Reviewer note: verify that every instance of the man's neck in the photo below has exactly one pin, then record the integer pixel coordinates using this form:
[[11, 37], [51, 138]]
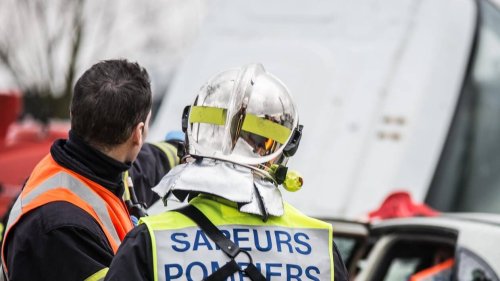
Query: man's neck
[[119, 153]]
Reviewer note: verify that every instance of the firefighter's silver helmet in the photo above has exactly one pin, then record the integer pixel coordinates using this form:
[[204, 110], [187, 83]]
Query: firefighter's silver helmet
[[245, 116]]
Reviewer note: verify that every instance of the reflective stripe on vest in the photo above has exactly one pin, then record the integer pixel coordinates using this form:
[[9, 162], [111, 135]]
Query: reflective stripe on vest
[[65, 181], [170, 151], [98, 276], [292, 247]]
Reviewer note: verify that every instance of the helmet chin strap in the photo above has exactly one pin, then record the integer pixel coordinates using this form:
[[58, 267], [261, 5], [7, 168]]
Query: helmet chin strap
[[262, 173], [278, 174]]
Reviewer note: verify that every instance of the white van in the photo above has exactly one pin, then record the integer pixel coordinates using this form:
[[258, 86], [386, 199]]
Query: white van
[[393, 95]]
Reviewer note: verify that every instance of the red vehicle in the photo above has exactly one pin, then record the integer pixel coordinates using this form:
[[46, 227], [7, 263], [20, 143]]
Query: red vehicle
[[22, 145]]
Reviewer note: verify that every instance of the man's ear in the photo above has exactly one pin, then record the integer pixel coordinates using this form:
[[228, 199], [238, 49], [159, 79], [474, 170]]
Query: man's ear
[[137, 134]]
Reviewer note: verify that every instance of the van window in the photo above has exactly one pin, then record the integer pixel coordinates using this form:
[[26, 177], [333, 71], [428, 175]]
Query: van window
[[468, 174]]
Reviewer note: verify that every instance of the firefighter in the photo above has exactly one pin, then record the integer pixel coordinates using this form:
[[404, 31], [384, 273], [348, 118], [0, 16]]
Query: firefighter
[[240, 131], [76, 207]]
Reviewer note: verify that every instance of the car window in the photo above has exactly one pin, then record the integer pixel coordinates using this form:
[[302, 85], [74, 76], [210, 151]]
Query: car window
[[472, 268], [401, 268], [407, 257], [346, 246], [351, 240]]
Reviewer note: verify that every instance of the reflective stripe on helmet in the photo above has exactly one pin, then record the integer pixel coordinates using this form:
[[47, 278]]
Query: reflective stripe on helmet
[[266, 128], [252, 123], [66, 181], [209, 115]]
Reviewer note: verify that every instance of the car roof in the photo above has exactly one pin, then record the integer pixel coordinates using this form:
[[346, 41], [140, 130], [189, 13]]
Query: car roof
[[458, 221]]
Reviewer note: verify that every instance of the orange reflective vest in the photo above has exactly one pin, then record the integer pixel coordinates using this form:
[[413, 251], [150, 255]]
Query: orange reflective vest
[[50, 182]]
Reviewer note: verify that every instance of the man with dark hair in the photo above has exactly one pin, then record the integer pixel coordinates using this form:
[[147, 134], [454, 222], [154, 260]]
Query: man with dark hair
[[79, 202], [109, 100]]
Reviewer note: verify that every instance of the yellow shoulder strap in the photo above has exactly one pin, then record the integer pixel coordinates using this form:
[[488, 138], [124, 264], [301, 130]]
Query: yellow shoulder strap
[[98, 276], [170, 151]]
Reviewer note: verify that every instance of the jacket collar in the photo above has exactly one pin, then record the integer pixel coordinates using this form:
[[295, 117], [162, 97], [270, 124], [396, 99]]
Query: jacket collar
[[77, 155]]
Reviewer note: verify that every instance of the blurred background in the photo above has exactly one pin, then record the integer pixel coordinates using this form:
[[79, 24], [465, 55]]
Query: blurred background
[[395, 95], [400, 102], [46, 45]]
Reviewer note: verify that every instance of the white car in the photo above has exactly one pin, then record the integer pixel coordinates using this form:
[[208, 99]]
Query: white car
[[396, 249]]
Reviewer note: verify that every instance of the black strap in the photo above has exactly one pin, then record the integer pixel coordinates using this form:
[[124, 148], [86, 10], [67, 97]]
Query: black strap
[[225, 244], [224, 272], [254, 273]]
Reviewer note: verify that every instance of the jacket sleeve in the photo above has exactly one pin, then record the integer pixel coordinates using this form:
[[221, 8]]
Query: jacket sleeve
[[57, 241], [134, 260], [340, 271], [152, 163]]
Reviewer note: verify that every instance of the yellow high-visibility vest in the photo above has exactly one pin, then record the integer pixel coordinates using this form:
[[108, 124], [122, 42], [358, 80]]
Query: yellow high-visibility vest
[[290, 247]]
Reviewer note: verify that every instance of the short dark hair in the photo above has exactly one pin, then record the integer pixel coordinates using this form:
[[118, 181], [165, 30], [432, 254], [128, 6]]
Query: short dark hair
[[109, 100]]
